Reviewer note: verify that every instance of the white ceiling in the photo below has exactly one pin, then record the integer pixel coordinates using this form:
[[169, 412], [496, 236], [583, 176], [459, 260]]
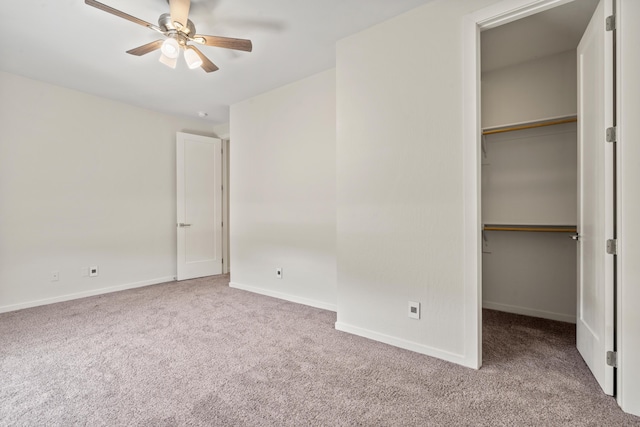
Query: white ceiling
[[70, 44], [553, 31]]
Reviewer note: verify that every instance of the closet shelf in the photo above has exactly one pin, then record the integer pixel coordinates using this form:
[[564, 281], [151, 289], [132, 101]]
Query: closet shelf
[[530, 125], [531, 228]]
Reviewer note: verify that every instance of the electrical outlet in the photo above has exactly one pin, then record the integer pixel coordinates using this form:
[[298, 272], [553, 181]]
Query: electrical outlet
[[279, 273], [93, 271], [414, 310], [55, 276]]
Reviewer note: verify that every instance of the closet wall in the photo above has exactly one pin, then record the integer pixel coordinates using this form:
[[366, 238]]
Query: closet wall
[[529, 178], [543, 87]]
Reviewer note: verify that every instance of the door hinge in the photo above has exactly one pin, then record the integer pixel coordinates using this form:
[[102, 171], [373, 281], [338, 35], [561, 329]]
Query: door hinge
[[612, 246], [612, 358], [611, 22], [612, 134]]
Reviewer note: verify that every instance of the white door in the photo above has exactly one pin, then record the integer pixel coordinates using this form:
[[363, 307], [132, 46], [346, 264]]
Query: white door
[[199, 194], [595, 311]]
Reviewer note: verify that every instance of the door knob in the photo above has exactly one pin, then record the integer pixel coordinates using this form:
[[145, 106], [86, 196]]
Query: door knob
[[182, 224], [575, 236]]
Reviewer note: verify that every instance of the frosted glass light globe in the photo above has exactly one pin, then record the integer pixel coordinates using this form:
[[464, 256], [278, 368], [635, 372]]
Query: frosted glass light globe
[[170, 48]]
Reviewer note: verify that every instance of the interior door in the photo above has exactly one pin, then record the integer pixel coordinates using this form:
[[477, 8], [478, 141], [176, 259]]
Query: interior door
[[199, 197], [595, 311]]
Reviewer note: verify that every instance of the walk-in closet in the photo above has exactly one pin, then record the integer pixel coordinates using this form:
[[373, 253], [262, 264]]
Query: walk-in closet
[[529, 191]]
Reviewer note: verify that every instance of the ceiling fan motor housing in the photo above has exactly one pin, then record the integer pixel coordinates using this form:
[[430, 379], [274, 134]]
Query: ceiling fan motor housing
[[182, 34]]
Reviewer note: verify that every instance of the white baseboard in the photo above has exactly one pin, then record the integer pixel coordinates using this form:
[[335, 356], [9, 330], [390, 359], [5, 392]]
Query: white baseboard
[[284, 296], [84, 294], [407, 345], [529, 312]]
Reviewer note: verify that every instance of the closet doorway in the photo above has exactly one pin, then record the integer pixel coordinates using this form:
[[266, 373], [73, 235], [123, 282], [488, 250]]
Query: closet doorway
[[547, 190]]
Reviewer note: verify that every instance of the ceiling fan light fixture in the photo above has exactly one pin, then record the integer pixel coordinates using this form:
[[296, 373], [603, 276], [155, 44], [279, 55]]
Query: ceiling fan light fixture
[[192, 59], [169, 62], [170, 48]]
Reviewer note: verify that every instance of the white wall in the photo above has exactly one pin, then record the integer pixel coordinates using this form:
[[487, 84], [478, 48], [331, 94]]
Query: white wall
[[222, 131], [539, 89], [283, 195], [83, 181], [530, 177], [400, 188], [629, 226]]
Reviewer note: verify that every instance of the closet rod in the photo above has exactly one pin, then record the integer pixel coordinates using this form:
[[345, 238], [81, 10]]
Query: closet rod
[[534, 228], [530, 126]]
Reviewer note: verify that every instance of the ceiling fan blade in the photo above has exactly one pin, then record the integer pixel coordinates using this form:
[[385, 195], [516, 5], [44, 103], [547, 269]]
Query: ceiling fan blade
[[180, 11], [207, 65], [225, 42], [121, 14], [146, 48]]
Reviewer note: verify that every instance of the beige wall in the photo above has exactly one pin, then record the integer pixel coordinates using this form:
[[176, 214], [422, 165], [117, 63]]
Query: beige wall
[[222, 131], [400, 188], [84, 181], [283, 189], [539, 89]]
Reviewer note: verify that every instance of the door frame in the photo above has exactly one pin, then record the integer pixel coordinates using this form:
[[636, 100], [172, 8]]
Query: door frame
[[628, 175], [226, 257], [492, 16]]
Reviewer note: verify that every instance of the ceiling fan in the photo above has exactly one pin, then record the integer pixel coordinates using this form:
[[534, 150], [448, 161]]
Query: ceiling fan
[[179, 31]]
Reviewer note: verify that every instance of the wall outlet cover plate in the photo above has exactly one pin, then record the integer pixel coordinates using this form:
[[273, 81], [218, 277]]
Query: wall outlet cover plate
[[414, 310], [93, 271]]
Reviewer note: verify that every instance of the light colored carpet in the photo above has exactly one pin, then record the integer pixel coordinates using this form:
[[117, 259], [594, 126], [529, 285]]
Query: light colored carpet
[[201, 353]]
